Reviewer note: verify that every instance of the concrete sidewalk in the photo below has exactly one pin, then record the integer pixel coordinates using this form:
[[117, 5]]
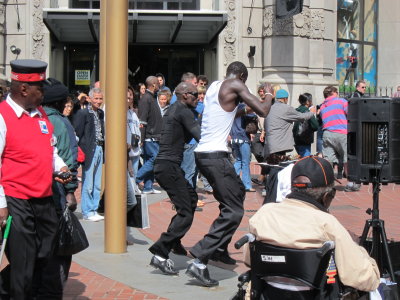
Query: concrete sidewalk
[[96, 275]]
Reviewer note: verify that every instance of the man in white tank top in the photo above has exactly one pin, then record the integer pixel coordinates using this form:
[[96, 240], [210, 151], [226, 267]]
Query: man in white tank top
[[220, 109]]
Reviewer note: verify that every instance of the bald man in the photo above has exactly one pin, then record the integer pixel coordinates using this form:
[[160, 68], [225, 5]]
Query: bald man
[[150, 126], [179, 127]]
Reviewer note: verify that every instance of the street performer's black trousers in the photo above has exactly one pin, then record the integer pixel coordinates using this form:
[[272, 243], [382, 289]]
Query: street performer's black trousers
[[171, 178], [230, 193], [30, 243]]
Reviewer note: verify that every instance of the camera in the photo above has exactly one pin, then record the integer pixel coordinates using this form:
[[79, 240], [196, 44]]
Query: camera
[[63, 175]]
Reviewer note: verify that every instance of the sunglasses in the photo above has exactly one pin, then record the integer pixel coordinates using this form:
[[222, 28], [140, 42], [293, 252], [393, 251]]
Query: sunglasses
[[363, 87], [195, 94]]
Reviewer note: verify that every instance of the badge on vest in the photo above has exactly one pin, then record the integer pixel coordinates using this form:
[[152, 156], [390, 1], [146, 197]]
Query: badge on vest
[[43, 127]]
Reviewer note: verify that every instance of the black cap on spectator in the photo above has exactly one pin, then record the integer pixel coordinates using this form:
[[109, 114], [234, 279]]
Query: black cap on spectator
[[318, 170], [54, 91]]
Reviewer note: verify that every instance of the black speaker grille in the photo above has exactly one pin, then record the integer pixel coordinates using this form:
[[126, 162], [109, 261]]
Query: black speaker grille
[[375, 144], [369, 140]]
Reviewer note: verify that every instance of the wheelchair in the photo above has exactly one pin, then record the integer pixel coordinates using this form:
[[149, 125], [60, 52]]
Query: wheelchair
[[279, 273]]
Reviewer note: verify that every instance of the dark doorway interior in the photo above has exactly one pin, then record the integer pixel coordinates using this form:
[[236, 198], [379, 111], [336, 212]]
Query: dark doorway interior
[[171, 61]]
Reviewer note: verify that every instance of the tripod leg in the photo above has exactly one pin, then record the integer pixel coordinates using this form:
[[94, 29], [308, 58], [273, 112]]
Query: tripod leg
[[386, 248], [364, 235]]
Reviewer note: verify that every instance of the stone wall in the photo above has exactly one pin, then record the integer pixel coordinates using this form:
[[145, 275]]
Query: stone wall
[[22, 25], [388, 44]]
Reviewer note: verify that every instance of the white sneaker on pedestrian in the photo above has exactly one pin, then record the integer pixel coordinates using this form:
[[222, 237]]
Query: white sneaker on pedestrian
[[94, 218], [99, 216], [155, 191]]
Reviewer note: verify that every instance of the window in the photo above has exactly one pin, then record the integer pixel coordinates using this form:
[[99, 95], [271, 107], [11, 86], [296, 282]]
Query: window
[[357, 42], [144, 4]]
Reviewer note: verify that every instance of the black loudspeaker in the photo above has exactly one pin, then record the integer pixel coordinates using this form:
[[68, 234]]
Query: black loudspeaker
[[373, 140]]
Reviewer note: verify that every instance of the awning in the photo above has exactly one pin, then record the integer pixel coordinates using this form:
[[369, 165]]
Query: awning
[[159, 27]]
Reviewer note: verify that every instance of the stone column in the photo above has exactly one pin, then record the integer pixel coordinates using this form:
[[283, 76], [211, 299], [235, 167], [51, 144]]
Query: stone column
[[299, 52]]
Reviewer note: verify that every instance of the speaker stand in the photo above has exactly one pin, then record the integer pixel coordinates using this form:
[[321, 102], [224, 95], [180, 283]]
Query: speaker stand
[[379, 239]]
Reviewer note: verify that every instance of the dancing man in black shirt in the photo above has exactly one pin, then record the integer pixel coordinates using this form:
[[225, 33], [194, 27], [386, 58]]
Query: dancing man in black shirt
[[178, 128]]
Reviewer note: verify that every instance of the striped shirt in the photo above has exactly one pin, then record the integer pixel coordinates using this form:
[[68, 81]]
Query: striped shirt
[[334, 114]]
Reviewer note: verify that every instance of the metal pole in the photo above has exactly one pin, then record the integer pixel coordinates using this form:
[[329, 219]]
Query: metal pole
[[116, 151], [102, 46]]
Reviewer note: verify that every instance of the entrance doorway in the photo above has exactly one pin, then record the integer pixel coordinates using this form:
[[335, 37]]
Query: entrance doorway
[[143, 61], [172, 62]]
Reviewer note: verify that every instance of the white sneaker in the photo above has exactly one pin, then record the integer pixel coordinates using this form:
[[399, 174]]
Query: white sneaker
[[155, 191], [99, 216], [94, 218]]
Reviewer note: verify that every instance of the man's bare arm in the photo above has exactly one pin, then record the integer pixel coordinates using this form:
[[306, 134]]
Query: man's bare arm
[[260, 108], [233, 90]]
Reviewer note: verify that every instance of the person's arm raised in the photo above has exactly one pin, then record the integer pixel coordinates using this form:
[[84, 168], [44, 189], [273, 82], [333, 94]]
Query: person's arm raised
[[260, 108]]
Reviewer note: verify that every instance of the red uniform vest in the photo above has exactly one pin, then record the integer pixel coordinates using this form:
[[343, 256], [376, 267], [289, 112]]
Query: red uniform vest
[[27, 160]]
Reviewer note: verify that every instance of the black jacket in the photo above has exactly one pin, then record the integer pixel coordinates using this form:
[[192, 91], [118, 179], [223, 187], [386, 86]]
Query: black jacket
[[83, 122], [150, 116]]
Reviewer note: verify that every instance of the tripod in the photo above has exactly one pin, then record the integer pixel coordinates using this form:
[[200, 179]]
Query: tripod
[[379, 239]]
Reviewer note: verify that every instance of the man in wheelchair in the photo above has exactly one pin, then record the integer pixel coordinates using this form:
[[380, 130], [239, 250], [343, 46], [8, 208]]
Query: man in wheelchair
[[302, 221]]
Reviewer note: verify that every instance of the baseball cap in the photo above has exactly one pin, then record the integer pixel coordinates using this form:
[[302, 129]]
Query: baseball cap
[[317, 169], [281, 94]]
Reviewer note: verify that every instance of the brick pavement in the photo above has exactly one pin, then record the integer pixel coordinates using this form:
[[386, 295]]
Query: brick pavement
[[84, 284], [349, 208]]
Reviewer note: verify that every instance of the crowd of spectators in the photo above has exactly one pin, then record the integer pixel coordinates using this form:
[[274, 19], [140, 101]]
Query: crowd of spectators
[[166, 150]]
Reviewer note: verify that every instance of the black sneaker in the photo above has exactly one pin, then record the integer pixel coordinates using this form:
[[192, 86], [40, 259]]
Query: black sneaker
[[166, 266], [202, 275], [223, 256]]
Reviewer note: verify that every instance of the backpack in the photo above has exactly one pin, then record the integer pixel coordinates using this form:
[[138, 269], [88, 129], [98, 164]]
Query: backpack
[[303, 134]]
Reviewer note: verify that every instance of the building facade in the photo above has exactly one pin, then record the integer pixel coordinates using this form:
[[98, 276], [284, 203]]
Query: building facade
[[329, 42]]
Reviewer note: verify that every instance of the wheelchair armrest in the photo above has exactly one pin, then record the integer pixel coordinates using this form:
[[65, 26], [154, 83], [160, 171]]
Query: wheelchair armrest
[[328, 245], [244, 277]]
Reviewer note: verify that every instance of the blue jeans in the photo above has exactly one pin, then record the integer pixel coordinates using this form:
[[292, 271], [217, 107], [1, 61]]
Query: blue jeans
[[242, 155], [188, 164], [303, 150], [146, 172], [91, 184], [320, 132]]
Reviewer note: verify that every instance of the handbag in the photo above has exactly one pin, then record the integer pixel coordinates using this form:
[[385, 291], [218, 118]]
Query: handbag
[[139, 216], [71, 235]]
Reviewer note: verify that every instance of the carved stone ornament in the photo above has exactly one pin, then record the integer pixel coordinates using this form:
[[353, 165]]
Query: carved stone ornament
[[2, 18], [38, 26], [310, 24], [230, 33]]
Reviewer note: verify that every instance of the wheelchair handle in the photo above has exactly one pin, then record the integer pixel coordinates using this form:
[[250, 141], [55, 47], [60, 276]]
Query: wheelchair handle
[[248, 238], [328, 245]]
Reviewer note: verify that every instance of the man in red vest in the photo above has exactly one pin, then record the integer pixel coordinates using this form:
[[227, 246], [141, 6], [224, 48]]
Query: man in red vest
[[28, 162]]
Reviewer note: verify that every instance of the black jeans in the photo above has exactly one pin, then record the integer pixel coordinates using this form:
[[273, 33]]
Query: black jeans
[[30, 243], [230, 193], [171, 178]]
